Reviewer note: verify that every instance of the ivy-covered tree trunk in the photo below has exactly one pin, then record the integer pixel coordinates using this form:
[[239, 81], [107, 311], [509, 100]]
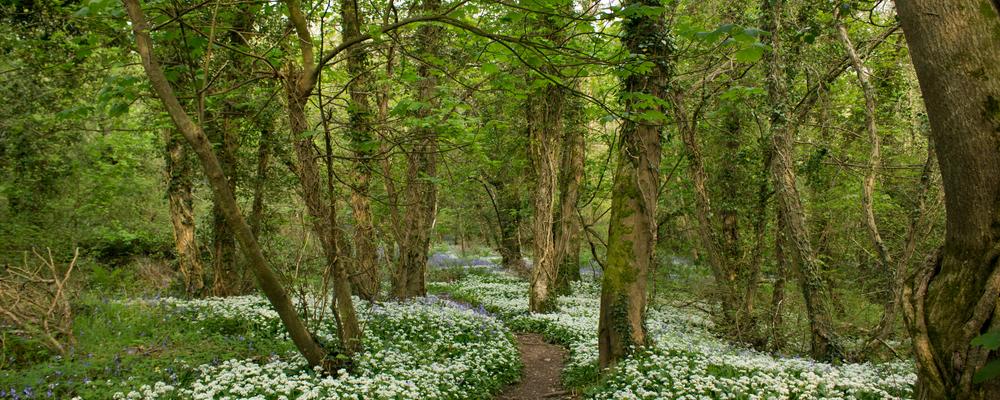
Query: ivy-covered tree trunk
[[226, 279], [632, 228], [179, 196], [311, 350], [418, 219], [817, 296], [544, 134], [953, 298], [365, 276]]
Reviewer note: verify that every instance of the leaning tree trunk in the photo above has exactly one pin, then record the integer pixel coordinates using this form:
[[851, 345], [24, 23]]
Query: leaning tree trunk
[[179, 194], [632, 230], [366, 273], [956, 53], [311, 350], [409, 279], [817, 296]]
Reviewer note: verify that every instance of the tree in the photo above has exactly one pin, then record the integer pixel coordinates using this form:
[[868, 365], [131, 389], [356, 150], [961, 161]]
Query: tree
[[418, 218], [272, 288], [817, 295], [632, 228], [179, 195], [953, 297], [360, 126]]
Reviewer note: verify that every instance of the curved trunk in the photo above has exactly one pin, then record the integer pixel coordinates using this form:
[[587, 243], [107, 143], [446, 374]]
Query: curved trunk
[[953, 298], [323, 216]]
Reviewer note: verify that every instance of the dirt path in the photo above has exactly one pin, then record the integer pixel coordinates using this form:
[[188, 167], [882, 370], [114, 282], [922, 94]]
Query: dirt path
[[543, 363]]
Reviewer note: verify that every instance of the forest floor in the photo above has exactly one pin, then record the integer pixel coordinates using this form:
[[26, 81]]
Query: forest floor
[[543, 363]]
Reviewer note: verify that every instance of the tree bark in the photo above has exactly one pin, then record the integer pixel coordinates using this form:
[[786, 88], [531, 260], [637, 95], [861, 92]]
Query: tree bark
[[299, 85], [509, 220], [226, 280], [567, 230], [260, 181], [824, 344], [419, 215], [366, 272], [179, 195], [632, 230], [322, 212], [544, 131], [953, 298], [269, 283]]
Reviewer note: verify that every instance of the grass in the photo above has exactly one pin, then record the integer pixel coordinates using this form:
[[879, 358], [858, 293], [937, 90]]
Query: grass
[[117, 340]]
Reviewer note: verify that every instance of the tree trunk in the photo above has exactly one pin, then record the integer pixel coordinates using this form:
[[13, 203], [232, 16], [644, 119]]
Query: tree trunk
[[260, 181], [544, 131], [953, 299], [817, 296], [509, 220], [632, 228], [226, 281], [366, 273], [409, 279], [179, 194], [268, 281], [783, 264], [884, 259], [567, 229], [322, 212]]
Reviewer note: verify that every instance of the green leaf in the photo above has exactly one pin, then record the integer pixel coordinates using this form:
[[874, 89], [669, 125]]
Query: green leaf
[[989, 371], [989, 340], [490, 68], [750, 54]]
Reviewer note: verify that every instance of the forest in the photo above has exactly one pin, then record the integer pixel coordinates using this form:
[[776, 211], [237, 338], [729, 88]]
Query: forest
[[500, 199]]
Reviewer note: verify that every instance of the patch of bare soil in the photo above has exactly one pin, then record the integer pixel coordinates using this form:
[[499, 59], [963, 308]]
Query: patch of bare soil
[[543, 363]]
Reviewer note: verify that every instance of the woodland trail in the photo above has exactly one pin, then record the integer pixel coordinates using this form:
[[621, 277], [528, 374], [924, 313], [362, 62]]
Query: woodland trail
[[543, 363]]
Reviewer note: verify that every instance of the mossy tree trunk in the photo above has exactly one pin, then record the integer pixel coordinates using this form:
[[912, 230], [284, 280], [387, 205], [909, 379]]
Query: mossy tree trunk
[[226, 281], [360, 127], [955, 48], [632, 228]]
